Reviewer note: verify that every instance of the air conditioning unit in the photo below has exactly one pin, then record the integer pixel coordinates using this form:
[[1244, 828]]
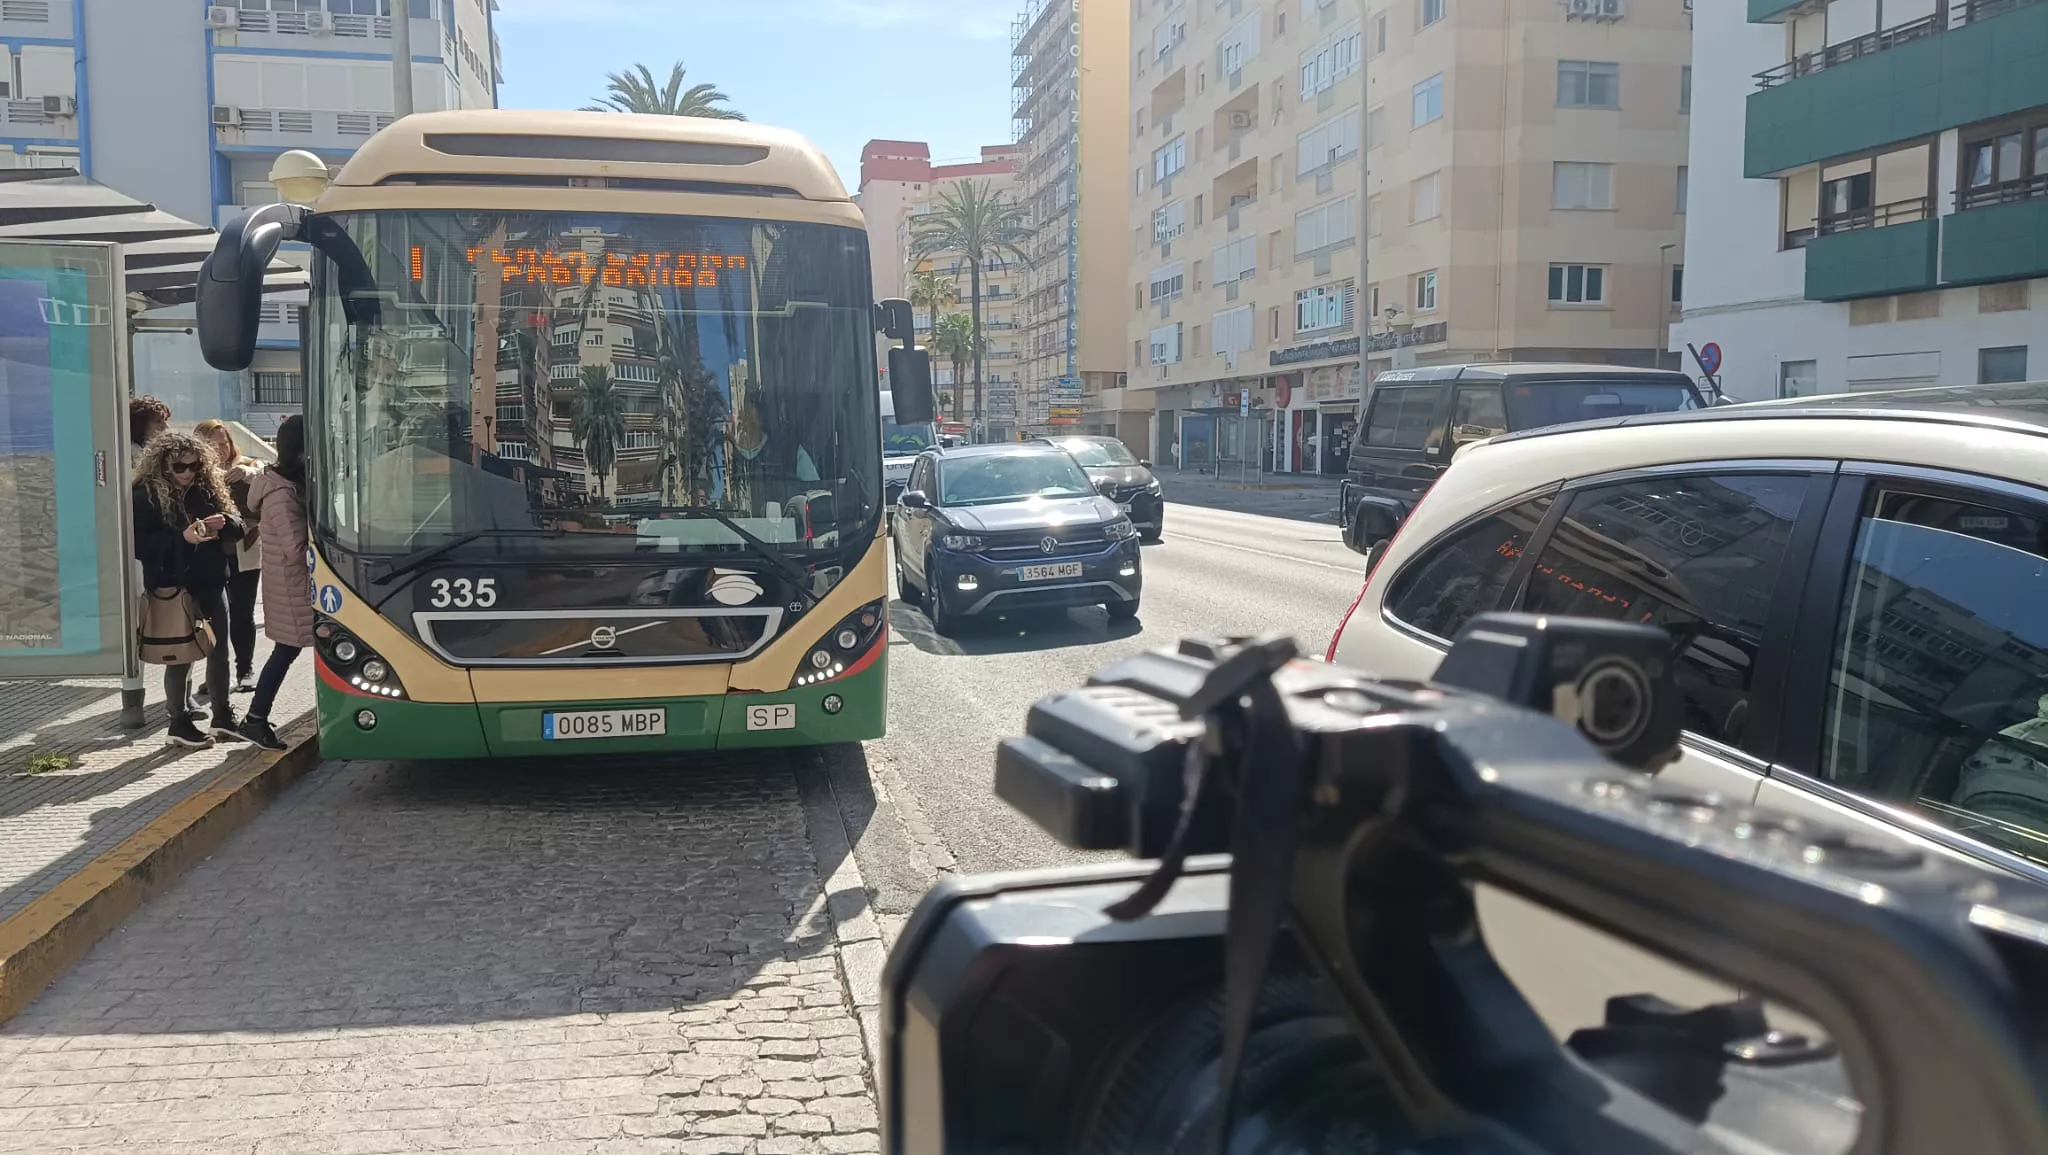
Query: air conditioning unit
[[319, 23], [1611, 9], [1581, 9], [60, 106], [227, 116], [222, 16], [1242, 119]]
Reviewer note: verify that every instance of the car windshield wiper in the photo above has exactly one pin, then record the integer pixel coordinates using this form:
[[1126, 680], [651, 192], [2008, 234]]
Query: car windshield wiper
[[760, 548], [398, 567]]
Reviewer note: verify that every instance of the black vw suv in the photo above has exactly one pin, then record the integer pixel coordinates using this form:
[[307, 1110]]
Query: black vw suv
[[988, 528]]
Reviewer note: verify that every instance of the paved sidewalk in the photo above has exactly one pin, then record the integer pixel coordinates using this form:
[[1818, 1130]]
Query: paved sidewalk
[[54, 822], [1301, 496]]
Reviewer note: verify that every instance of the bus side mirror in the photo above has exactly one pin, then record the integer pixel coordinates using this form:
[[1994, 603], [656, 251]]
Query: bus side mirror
[[893, 318], [910, 386], [230, 296]]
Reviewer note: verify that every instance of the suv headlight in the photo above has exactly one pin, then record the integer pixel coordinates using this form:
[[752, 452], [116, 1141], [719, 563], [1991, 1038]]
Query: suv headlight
[[1122, 530], [1153, 488], [960, 542]]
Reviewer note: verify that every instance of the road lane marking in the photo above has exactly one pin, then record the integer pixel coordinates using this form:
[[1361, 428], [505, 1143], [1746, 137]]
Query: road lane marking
[[1358, 570]]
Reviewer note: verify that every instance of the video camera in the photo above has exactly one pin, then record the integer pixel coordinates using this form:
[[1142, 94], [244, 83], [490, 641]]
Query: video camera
[[1302, 967]]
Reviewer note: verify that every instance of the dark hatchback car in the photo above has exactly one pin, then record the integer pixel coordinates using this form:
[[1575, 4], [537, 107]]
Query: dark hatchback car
[[1414, 420], [1119, 475], [990, 528]]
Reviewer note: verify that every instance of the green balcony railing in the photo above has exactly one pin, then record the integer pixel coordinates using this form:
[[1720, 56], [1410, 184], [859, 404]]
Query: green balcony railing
[[1998, 242], [1874, 253], [1983, 59]]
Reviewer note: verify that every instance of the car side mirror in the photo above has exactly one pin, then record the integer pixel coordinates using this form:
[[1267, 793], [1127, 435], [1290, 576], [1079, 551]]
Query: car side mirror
[[913, 499], [1143, 464], [1105, 487], [1373, 556]]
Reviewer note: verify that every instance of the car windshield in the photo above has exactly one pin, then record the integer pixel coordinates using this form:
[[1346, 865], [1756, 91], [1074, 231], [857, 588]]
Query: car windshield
[[1010, 477], [1538, 404], [575, 384], [899, 440], [1098, 454]]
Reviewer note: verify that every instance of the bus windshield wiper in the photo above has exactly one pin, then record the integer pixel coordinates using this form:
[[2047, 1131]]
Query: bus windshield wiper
[[398, 567], [755, 545]]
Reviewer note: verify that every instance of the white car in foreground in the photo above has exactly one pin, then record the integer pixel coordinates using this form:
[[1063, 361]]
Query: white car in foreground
[[1860, 587]]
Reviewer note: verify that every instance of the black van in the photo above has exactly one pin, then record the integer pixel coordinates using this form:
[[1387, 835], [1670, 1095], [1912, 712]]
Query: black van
[[1415, 419]]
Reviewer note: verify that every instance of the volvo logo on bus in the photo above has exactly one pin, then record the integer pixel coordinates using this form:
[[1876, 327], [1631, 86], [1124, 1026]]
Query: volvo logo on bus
[[604, 638], [1048, 544]]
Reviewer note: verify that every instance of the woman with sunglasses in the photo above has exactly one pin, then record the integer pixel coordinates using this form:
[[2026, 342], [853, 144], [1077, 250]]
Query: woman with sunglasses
[[184, 515]]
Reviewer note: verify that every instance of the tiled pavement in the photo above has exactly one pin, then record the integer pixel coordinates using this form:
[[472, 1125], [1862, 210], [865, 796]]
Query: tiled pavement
[[55, 822], [575, 955]]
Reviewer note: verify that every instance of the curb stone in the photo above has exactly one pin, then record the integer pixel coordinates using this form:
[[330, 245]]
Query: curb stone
[[44, 939]]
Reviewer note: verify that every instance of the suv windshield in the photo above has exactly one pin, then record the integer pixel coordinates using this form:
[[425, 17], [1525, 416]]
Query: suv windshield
[[1010, 477], [1538, 404], [899, 440], [1098, 454]]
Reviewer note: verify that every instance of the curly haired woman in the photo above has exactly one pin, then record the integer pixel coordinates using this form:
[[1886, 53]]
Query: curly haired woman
[[183, 516]]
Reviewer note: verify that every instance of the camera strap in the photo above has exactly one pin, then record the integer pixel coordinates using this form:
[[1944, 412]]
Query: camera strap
[[1245, 715]]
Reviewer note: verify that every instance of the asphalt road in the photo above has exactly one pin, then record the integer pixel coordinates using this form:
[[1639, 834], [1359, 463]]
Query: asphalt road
[[952, 699]]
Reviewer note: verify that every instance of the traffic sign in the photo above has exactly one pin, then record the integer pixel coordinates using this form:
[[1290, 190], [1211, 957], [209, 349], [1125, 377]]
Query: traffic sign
[[1710, 358], [1244, 403]]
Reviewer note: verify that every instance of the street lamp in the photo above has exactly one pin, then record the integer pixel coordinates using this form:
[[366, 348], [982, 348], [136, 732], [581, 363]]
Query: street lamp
[[1664, 301], [300, 176]]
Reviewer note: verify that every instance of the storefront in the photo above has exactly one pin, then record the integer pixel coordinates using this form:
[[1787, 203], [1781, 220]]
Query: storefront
[[1315, 414]]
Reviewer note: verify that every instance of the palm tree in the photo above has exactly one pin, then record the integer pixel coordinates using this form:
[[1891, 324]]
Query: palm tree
[[637, 91], [953, 338], [599, 425], [932, 291], [977, 223]]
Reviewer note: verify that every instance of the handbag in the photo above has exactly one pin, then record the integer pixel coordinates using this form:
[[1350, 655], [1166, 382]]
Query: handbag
[[169, 630]]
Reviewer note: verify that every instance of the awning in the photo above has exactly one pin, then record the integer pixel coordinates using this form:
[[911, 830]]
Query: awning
[[163, 251]]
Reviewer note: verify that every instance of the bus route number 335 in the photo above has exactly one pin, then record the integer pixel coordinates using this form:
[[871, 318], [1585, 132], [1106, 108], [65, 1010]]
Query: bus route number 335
[[462, 593]]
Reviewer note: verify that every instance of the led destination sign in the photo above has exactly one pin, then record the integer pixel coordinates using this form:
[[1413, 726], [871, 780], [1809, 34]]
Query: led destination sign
[[661, 270]]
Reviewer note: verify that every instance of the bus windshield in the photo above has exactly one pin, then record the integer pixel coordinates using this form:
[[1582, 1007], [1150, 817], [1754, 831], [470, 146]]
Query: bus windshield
[[625, 384]]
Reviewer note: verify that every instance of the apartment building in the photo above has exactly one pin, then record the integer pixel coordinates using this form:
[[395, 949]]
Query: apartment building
[[1875, 205], [1524, 185], [1071, 100], [900, 185], [186, 104]]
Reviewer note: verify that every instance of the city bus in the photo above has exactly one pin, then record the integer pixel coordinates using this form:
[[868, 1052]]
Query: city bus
[[594, 442]]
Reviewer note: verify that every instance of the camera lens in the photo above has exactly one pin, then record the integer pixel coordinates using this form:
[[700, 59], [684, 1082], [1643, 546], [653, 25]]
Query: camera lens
[[1614, 704]]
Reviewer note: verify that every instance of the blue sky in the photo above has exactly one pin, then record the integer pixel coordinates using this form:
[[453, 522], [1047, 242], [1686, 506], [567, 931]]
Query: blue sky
[[839, 71]]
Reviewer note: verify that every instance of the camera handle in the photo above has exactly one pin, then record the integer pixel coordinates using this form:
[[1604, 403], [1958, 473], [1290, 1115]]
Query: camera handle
[[1371, 860]]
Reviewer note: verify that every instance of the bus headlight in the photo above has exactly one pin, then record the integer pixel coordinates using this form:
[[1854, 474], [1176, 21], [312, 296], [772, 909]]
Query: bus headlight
[[847, 646], [353, 666]]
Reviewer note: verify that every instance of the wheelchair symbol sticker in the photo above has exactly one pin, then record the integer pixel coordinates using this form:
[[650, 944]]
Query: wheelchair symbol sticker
[[310, 559], [330, 599]]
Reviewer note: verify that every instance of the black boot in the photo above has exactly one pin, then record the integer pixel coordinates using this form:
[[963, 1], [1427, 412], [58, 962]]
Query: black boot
[[184, 734]]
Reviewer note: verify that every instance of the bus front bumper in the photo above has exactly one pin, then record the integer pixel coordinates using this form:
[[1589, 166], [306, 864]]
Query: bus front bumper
[[356, 727]]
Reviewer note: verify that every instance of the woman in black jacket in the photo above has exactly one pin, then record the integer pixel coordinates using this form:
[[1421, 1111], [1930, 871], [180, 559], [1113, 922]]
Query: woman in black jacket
[[183, 517]]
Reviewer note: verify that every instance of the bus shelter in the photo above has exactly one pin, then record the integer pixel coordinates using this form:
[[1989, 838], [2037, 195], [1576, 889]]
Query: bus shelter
[[79, 263]]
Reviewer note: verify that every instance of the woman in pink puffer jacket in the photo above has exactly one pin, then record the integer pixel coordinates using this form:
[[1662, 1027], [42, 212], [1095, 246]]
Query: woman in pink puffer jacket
[[277, 501]]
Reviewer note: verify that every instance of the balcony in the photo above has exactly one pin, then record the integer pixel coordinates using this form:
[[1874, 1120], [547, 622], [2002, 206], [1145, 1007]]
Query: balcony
[[1874, 252], [36, 19], [34, 118], [284, 128], [1998, 233], [1985, 59], [1774, 11], [338, 32]]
